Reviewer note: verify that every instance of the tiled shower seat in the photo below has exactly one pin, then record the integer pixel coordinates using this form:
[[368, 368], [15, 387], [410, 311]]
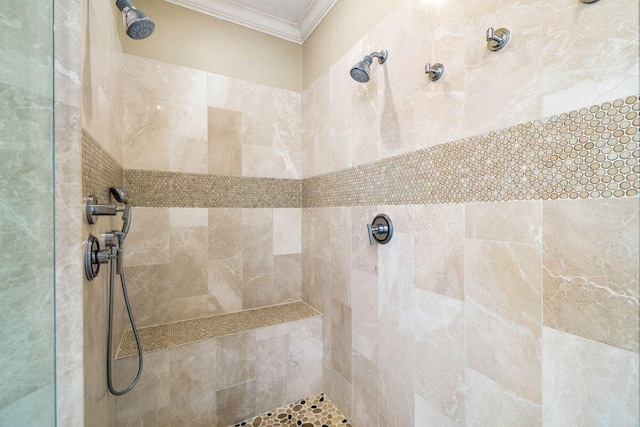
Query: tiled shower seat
[[222, 369]]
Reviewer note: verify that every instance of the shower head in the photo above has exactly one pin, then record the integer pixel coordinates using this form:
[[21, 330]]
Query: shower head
[[361, 72], [136, 24], [119, 194]]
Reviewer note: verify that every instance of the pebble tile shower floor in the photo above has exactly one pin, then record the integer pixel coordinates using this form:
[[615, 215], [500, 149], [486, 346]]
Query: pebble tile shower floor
[[316, 411]]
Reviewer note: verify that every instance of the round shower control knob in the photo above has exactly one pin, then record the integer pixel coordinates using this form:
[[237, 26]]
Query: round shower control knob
[[380, 230]]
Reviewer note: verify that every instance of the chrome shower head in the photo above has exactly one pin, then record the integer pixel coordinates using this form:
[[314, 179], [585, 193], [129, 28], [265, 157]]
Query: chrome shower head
[[361, 72], [136, 24]]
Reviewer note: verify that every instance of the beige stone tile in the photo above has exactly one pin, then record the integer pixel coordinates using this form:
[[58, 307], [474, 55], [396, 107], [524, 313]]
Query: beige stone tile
[[504, 351], [588, 383], [188, 155], [396, 374], [148, 239], [188, 217], [440, 354], [257, 257], [365, 128], [306, 359], [395, 283], [270, 162], [364, 257], [225, 282], [225, 233], [342, 393], [508, 222], [189, 263], [490, 404], [364, 314], [438, 117], [321, 222], [194, 307], [340, 242], [225, 142], [287, 277], [506, 279], [236, 403], [365, 391], [568, 56], [591, 269], [272, 372], [439, 249], [193, 385], [507, 85], [287, 231], [397, 130], [224, 92], [149, 401], [426, 415], [341, 338], [236, 359], [148, 289]]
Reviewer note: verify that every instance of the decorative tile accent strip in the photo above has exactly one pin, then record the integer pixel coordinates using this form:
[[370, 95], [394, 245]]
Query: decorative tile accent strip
[[100, 171], [191, 190], [191, 331], [589, 153], [316, 411]]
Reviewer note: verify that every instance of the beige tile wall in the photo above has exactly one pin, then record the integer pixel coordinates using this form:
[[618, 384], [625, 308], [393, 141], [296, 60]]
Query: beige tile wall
[[477, 313], [450, 330]]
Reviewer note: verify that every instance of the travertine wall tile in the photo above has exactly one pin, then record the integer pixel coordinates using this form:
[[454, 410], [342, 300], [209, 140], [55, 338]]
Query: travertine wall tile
[[439, 253], [257, 257], [364, 312], [341, 319], [568, 56], [225, 142], [588, 383], [504, 351], [505, 279], [188, 262], [148, 240], [287, 225], [287, 278], [507, 222], [440, 355], [489, 403], [591, 279], [236, 403]]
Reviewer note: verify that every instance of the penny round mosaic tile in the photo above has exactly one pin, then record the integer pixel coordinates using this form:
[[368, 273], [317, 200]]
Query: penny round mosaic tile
[[316, 411]]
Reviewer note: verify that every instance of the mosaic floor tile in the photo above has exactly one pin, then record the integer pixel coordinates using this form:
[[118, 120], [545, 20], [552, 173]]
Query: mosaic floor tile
[[316, 411]]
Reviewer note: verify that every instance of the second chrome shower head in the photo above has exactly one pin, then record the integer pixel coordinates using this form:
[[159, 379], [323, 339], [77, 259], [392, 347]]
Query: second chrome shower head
[[361, 72], [137, 24]]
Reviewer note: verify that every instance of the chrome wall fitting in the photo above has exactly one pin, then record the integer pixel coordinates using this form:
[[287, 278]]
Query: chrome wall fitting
[[93, 257], [380, 230], [93, 209], [498, 39], [435, 71]]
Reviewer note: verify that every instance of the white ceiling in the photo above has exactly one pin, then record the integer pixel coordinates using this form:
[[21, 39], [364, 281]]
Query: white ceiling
[[292, 20]]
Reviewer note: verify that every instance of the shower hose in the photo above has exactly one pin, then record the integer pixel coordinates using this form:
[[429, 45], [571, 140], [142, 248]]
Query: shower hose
[[112, 271]]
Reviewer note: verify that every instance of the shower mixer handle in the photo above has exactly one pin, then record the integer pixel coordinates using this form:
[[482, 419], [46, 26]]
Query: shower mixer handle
[[380, 230], [497, 39]]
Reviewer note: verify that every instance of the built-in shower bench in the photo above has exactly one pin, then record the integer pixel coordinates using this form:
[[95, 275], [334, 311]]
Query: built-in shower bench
[[223, 369], [191, 331]]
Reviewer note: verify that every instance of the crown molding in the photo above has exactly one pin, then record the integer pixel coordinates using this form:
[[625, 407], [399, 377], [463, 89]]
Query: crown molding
[[260, 21]]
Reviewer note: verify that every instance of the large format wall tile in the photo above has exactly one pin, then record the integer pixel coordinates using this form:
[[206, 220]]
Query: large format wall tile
[[490, 404], [591, 280], [507, 222], [440, 356], [588, 383], [568, 59]]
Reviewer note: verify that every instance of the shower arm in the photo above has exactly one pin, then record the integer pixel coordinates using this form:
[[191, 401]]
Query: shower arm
[[382, 56]]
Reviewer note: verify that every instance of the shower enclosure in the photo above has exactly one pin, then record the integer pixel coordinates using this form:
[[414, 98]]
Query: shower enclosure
[[27, 358]]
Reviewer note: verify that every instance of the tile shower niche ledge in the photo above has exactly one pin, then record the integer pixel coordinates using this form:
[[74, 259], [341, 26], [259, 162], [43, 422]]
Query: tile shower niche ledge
[[191, 331]]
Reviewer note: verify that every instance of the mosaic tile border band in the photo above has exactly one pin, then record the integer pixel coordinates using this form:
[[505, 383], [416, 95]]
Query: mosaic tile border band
[[588, 153], [191, 331], [191, 190], [100, 171]]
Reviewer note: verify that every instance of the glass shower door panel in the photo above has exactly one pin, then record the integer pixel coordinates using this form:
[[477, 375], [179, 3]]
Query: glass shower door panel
[[27, 355]]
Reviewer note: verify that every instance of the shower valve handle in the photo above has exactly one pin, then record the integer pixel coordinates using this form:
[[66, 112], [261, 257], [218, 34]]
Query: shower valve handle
[[380, 230]]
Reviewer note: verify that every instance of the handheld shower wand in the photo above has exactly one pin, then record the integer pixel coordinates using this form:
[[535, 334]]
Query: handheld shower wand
[[114, 255]]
